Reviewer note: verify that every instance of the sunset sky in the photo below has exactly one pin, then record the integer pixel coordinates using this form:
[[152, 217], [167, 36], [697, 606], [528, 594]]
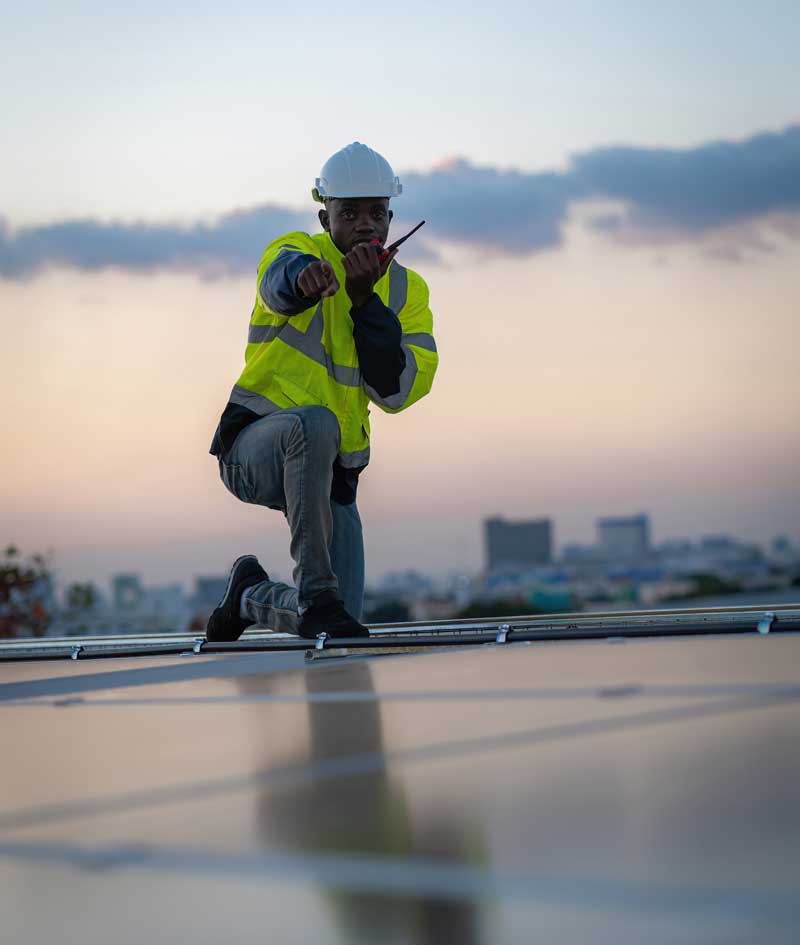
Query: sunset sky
[[613, 246]]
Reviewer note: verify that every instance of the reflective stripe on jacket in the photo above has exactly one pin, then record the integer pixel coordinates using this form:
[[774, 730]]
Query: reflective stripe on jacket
[[311, 358]]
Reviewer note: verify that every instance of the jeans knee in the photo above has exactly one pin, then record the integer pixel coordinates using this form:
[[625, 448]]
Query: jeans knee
[[320, 425]]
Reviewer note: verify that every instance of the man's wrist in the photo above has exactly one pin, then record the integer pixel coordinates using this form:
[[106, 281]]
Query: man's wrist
[[360, 301]]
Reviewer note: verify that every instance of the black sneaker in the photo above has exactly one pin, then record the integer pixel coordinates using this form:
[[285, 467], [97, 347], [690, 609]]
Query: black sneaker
[[225, 624], [329, 616]]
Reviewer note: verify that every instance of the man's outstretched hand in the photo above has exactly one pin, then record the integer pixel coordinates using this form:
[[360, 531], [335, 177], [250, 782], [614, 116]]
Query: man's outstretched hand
[[318, 280], [363, 268]]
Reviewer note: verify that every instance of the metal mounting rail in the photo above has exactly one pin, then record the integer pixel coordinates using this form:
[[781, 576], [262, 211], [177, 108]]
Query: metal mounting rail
[[475, 625], [562, 628]]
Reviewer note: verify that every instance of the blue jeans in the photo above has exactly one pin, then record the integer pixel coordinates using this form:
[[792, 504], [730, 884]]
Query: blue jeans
[[285, 461]]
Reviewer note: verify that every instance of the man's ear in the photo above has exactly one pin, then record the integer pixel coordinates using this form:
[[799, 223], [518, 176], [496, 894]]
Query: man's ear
[[391, 215], [325, 220]]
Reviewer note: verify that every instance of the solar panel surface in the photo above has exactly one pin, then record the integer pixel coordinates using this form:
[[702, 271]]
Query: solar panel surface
[[582, 791]]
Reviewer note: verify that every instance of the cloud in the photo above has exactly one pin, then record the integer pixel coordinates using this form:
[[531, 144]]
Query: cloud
[[511, 211], [664, 194], [695, 190], [233, 244]]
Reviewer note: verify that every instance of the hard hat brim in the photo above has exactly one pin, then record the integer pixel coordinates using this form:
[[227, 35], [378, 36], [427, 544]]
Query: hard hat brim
[[394, 190]]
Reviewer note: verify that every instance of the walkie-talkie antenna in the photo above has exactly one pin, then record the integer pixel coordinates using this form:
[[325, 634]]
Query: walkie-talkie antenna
[[383, 254], [393, 246]]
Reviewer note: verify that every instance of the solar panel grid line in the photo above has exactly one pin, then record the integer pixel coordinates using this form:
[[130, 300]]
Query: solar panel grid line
[[176, 671], [632, 691], [348, 766], [398, 875]]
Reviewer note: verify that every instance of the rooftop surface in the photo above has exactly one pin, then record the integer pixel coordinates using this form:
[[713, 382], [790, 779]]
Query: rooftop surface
[[610, 790]]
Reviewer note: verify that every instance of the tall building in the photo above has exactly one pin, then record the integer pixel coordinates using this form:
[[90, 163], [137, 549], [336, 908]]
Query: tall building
[[517, 544], [624, 538]]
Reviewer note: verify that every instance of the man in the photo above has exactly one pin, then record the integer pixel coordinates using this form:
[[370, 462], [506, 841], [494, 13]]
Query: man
[[333, 329]]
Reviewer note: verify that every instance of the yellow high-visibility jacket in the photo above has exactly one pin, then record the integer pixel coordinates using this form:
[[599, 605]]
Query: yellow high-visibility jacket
[[311, 357]]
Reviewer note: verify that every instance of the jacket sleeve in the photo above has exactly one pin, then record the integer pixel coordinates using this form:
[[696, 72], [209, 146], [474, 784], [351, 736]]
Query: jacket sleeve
[[281, 264], [416, 342], [378, 335]]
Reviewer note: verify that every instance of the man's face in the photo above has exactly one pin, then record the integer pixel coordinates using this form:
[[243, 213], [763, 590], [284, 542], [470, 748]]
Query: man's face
[[352, 220]]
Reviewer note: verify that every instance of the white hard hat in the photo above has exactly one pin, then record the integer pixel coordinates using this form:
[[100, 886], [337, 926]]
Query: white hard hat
[[356, 171]]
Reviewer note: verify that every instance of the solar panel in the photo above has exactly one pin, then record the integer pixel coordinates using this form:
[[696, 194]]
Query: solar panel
[[616, 788]]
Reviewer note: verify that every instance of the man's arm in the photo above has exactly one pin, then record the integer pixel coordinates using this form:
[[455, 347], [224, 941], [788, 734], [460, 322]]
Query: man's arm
[[376, 328], [409, 295], [294, 281], [378, 336], [395, 343]]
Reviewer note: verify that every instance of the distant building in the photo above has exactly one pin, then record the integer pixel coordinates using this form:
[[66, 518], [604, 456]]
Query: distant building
[[208, 592], [579, 554], [405, 584], [126, 591], [624, 538], [783, 553], [781, 545], [167, 606], [726, 554], [718, 544], [517, 545]]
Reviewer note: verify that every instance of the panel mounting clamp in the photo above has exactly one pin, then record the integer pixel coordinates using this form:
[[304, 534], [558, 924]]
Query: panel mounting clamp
[[321, 638], [76, 651], [502, 633], [766, 622]]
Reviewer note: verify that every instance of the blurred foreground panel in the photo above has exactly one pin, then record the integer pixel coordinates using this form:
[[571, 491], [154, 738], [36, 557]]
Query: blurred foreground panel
[[582, 791]]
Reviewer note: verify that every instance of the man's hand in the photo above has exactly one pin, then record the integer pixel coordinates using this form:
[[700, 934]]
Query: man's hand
[[363, 269], [317, 280]]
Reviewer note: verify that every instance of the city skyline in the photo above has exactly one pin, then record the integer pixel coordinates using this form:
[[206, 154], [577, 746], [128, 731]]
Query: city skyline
[[563, 551], [520, 573]]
